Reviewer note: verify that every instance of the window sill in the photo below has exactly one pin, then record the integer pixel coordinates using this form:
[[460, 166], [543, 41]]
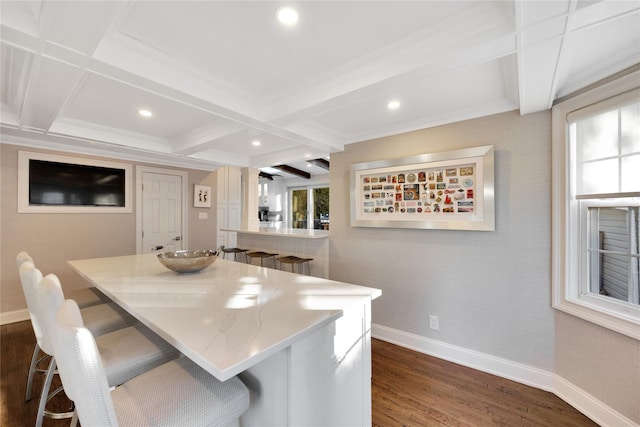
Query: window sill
[[623, 320]]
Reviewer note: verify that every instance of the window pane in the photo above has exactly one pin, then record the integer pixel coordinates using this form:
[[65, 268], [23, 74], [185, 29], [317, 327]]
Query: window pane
[[612, 247], [614, 276], [598, 136], [631, 173], [630, 127], [321, 208], [299, 208], [600, 177], [612, 229]]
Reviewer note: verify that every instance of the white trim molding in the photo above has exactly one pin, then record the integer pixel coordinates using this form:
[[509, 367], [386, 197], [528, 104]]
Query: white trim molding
[[567, 295], [15, 316], [593, 408], [584, 402], [504, 368]]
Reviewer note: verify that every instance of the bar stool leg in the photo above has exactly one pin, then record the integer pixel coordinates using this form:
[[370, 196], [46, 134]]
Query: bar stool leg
[[32, 370]]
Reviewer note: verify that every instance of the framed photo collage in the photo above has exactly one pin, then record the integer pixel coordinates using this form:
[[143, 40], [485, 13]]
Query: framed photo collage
[[442, 190]]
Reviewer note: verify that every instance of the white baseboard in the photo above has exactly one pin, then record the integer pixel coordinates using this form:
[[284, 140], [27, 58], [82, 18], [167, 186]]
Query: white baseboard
[[463, 356], [14, 316], [534, 377], [589, 405]]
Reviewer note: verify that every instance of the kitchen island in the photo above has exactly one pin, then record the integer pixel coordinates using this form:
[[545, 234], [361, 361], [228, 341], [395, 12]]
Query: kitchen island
[[289, 241], [301, 344]]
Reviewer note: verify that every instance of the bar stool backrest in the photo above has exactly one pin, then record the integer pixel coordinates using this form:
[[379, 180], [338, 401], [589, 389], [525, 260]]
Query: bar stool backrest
[[22, 257], [30, 277], [79, 363]]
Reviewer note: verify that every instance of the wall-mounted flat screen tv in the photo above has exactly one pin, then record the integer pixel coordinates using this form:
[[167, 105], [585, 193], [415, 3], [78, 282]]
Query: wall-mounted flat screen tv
[[53, 183]]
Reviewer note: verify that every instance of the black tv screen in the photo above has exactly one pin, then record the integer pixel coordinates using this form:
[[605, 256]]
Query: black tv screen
[[68, 184]]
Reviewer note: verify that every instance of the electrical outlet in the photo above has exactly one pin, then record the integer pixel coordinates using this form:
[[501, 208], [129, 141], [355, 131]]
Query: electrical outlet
[[434, 322]]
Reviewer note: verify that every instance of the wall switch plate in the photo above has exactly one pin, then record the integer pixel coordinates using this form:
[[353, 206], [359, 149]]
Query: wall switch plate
[[434, 322]]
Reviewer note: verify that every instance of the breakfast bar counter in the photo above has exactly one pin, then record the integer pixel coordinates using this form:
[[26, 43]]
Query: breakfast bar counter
[[301, 344], [289, 241]]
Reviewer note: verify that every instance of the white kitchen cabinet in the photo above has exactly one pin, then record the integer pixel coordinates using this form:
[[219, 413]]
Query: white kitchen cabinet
[[229, 204], [276, 195]]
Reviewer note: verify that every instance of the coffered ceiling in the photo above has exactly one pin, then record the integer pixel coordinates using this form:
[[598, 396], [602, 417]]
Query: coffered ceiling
[[218, 76]]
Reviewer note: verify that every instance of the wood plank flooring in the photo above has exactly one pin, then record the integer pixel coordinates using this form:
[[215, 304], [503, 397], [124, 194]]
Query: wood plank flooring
[[408, 389], [413, 389]]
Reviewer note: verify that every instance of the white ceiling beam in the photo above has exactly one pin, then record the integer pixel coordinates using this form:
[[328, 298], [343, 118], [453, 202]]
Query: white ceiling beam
[[123, 52], [184, 84], [126, 60], [90, 131], [70, 144], [540, 53], [202, 139], [222, 158], [392, 60]]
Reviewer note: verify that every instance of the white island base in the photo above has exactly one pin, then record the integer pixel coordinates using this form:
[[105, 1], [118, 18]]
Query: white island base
[[321, 380]]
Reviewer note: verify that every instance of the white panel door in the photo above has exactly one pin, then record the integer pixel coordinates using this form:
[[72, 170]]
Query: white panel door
[[161, 212]]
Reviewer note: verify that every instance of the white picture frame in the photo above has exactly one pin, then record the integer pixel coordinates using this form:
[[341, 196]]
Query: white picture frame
[[201, 196], [451, 190]]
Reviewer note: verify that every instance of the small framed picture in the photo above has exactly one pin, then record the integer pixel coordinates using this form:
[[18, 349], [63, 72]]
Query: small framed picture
[[201, 196]]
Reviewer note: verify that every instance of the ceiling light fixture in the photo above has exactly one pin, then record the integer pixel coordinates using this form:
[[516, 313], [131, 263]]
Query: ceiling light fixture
[[255, 143], [393, 105], [287, 15], [145, 113]]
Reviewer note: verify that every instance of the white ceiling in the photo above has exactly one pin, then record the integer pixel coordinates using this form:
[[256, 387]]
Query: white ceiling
[[218, 75]]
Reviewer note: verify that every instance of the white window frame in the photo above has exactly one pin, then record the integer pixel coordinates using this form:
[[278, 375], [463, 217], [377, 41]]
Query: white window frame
[[568, 262], [310, 201]]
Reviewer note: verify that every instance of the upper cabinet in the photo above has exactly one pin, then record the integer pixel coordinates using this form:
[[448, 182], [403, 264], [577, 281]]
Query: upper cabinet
[[263, 193], [270, 194], [276, 194], [229, 185], [229, 204]]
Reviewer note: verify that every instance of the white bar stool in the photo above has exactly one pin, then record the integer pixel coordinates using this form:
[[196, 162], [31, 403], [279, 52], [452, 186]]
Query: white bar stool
[[176, 393]]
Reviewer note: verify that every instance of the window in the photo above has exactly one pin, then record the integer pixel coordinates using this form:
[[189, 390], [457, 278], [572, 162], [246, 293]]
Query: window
[[596, 205], [310, 208]]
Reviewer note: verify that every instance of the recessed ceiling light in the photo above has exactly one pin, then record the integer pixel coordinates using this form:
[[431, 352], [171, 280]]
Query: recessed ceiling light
[[255, 143], [145, 113], [393, 105], [308, 165], [287, 15]]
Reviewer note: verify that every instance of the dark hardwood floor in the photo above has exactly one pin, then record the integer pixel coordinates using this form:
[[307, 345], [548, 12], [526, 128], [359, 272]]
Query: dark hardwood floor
[[409, 389]]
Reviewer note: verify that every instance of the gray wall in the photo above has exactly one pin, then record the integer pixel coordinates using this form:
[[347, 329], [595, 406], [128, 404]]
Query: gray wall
[[52, 239], [491, 290], [601, 362]]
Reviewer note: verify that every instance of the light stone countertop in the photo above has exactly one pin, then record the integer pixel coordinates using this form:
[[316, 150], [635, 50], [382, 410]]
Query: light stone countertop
[[227, 317], [299, 233]]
